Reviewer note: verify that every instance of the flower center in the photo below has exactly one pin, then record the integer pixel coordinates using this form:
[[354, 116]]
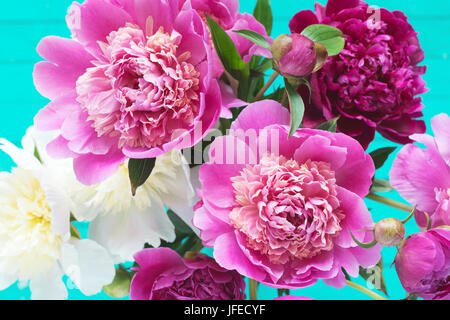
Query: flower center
[[28, 242], [143, 90], [287, 210]]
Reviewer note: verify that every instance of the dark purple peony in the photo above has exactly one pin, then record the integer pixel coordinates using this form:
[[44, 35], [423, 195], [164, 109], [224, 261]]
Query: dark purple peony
[[374, 82], [163, 275]]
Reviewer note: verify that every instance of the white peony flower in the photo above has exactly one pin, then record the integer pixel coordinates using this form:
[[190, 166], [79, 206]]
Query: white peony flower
[[123, 223], [36, 243]]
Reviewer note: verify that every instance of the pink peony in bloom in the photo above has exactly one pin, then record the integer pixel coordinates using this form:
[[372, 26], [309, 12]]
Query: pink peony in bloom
[[135, 81], [423, 264], [373, 83], [280, 210], [163, 275], [226, 14], [422, 176]]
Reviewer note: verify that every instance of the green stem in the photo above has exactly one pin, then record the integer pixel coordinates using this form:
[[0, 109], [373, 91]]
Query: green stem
[[410, 216], [271, 80], [364, 290], [282, 292], [253, 288], [389, 202]]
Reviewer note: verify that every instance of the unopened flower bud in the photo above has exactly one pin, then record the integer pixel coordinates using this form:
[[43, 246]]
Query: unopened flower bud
[[296, 55], [389, 232]]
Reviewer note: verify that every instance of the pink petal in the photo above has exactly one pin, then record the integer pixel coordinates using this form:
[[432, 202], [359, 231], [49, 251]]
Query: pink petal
[[152, 263], [357, 171], [261, 114], [58, 149], [210, 227], [357, 218], [229, 255], [82, 137], [410, 268], [416, 173], [92, 169], [94, 20], [52, 116], [319, 148], [68, 60], [441, 129], [335, 6], [301, 20]]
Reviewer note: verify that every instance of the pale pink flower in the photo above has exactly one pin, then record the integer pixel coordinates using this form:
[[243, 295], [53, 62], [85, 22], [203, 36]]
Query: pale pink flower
[[422, 176], [135, 81], [284, 215]]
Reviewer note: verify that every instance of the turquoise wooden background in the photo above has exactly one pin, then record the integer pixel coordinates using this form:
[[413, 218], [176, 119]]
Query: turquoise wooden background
[[24, 23]]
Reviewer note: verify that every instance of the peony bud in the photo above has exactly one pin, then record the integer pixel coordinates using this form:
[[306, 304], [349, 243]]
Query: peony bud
[[296, 55], [389, 232], [422, 264]]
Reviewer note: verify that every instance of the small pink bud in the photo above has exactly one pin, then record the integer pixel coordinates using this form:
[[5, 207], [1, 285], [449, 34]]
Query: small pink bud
[[389, 232], [294, 55]]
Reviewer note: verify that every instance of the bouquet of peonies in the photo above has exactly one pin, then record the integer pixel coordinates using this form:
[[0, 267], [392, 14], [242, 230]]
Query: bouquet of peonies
[[175, 125]]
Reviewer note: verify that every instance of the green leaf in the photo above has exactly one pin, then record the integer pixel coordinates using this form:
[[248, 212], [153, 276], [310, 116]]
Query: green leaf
[[263, 13], [375, 276], [254, 37], [297, 107], [180, 226], [265, 65], [380, 186], [139, 170], [37, 155], [120, 287], [330, 125], [74, 232], [330, 37], [380, 156], [283, 292], [227, 52]]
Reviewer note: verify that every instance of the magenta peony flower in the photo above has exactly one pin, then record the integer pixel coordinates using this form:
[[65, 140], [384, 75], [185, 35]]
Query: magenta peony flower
[[373, 83], [422, 176], [280, 210], [226, 14], [163, 275], [135, 82], [423, 264]]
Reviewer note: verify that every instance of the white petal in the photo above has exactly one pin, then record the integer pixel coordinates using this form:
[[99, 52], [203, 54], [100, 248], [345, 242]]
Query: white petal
[[59, 203], [174, 186], [35, 139], [124, 234], [22, 158], [48, 286], [88, 265]]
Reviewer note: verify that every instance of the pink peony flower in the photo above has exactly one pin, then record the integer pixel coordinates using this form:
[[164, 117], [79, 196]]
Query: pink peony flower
[[422, 176], [163, 275], [373, 83], [280, 210], [135, 81], [226, 14], [423, 264]]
